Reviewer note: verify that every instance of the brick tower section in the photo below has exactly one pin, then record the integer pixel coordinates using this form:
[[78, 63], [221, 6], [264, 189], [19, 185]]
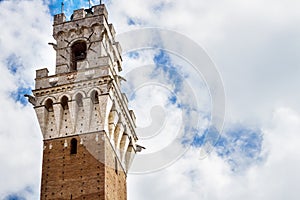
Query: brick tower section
[[88, 130]]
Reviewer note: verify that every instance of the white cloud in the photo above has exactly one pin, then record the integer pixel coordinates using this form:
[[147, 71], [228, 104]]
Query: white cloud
[[25, 32], [253, 43], [275, 177]]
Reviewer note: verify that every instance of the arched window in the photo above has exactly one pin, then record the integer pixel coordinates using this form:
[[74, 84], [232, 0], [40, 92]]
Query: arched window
[[49, 105], [79, 100], [95, 97], [64, 103], [73, 146], [78, 53]]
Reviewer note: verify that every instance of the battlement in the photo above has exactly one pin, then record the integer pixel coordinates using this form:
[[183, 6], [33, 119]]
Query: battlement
[[81, 14], [43, 81], [86, 41]]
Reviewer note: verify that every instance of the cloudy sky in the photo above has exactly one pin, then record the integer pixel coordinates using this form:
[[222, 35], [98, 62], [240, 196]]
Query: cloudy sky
[[254, 45]]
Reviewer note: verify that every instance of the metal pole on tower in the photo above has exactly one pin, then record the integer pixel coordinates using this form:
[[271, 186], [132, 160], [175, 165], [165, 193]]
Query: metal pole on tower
[[62, 7], [89, 3]]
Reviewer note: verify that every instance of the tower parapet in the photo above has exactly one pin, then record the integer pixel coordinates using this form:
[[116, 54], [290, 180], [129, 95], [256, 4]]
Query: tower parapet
[[87, 31]]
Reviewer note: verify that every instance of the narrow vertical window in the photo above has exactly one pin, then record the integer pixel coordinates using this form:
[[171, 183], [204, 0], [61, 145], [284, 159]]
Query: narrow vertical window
[[64, 103], [95, 97], [116, 165], [49, 105], [73, 146], [78, 53], [79, 100]]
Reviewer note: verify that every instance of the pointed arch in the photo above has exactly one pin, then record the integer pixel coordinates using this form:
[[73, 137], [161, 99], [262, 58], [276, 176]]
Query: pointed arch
[[43, 102], [59, 99], [64, 102], [94, 95], [79, 92], [92, 90], [61, 33], [49, 105], [78, 99], [78, 53]]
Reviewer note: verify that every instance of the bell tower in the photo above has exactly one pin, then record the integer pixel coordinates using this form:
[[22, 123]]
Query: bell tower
[[88, 131]]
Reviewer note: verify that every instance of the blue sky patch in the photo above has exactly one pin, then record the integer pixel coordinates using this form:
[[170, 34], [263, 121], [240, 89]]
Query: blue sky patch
[[240, 146], [18, 95], [29, 190], [54, 7], [163, 62], [160, 7], [13, 63], [133, 54], [134, 21], [69, 6], [173, 99], [14, 197], [162, 58], [130, 21], [210, 135]]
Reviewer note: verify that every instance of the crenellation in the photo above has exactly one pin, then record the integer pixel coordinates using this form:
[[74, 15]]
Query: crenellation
[[119, 48], [59, 18], [112, 31], [41, 73], [86, 74], [61, 69], [132, 115], [100, 10], [65, 30], [78, 14]]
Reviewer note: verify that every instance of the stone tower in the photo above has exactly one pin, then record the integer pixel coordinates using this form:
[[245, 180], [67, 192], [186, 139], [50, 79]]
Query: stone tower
[[88, 130]]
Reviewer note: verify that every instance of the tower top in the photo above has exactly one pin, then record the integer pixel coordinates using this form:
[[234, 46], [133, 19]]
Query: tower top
[[87, 58], [81, 14]]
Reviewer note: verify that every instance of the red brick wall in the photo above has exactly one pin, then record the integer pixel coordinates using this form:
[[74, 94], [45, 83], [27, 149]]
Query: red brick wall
[[83, 175], [115, 179]]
